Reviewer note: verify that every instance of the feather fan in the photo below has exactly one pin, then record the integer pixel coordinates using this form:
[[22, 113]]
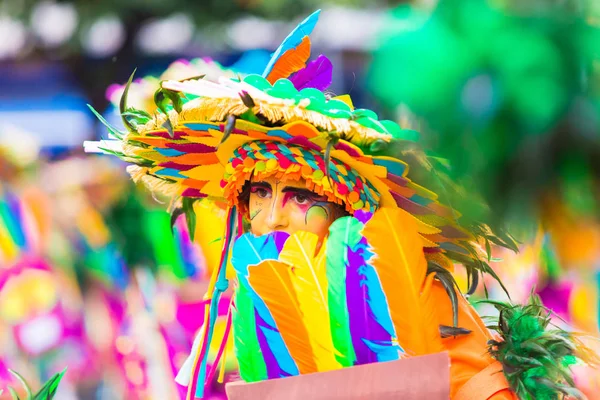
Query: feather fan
[[400, 264]]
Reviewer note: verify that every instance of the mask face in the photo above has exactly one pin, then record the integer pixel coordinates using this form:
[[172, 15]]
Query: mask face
[[288, 206]]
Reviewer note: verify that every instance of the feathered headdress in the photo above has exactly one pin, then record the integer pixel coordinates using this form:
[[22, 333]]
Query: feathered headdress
[[211, 137]]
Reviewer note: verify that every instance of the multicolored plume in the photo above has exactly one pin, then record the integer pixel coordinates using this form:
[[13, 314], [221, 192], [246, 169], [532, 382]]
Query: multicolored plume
[[292, 54], [369, 325], [357, 298], [535, 356]]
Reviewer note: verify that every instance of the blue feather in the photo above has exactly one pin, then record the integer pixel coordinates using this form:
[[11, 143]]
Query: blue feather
[[386, 351], [294, 39], [252, 250], [393, 166], [169, 172], [376, 300]]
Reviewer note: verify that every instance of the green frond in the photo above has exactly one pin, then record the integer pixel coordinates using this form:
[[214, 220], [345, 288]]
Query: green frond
[[536, 358], [123, 104]]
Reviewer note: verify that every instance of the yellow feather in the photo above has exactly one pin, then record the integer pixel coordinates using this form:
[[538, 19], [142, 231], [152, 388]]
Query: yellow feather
[[213, 189], [206, 140], [153, 155], [272, 281], [310, 282], [400, 263], [204, 172], [428, 243]]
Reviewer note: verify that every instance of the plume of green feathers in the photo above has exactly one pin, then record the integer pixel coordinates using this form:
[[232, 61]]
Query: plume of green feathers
[[47, 392], [535, 355]]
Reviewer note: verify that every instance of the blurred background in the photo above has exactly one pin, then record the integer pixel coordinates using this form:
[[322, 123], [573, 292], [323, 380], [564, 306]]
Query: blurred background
[[504, 95]]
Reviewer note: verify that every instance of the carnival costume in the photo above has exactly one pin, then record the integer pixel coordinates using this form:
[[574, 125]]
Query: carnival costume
[[380, 286]]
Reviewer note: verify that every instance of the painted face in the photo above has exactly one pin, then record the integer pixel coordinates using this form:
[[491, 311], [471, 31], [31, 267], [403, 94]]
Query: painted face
[[289, 207]]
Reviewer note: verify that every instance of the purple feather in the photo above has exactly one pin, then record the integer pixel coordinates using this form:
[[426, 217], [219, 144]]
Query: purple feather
[[363, 325], [191, 147], [317, 74], [179, 167], [177, 135], [273, 369], [280, 237], [191, 192], [363, 216]]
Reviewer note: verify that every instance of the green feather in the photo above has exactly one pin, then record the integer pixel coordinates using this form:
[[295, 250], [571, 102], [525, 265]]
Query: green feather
[[247, 349], [447, 280], [123, 104], [187, 204], [48, 391], [343, 233], [114, 131], [24, 383], [13, 394]]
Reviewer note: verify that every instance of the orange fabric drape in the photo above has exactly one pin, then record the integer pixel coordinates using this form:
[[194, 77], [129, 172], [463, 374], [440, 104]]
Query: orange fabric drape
[[474, 374]]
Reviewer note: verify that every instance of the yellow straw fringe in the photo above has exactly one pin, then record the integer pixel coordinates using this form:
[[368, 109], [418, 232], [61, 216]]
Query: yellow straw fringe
[[154, 184]]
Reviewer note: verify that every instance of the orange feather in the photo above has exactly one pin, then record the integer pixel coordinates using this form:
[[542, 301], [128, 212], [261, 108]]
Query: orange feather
[[291, 61], [273, 283], [400, 263]]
